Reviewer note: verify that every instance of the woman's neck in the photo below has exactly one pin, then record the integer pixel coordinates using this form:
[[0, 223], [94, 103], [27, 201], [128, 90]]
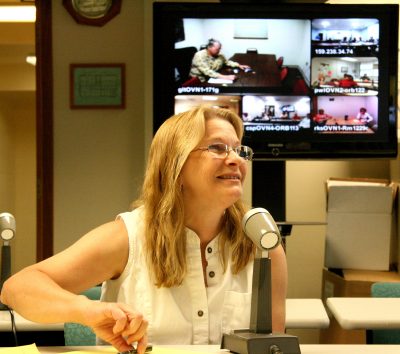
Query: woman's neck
[[206, 223]]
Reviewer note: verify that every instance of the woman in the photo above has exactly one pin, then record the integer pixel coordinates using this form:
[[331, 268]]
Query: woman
[[364, 117], [178, 266]]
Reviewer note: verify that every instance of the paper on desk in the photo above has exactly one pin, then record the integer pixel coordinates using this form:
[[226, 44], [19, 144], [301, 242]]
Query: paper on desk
[[96, 350], [23, 349], [219, 81], [161, 350], [156, 350]]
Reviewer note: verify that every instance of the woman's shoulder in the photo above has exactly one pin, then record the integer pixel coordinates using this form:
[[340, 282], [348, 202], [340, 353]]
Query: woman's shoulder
[[131, 213], [132, 218]]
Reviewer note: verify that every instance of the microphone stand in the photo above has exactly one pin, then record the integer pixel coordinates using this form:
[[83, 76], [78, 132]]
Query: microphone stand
[[7, 232], [259, 339], [5, 268]]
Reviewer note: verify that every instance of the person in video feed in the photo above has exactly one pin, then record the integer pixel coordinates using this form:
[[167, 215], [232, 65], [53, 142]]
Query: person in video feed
[[321, 117], [364, 117], [208, 62], [347, 81]]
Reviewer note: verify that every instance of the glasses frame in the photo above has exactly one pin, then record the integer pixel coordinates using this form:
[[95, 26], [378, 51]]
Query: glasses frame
[[228, 149]]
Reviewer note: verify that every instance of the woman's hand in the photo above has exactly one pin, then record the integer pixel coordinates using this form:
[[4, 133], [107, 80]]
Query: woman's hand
[[118, 325]]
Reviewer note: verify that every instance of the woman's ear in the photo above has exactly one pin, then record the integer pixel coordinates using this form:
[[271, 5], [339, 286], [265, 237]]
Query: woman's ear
[[180, 183]]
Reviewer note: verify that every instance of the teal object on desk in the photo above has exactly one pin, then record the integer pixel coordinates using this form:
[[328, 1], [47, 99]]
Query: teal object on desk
[[385, 336], [77, 334]]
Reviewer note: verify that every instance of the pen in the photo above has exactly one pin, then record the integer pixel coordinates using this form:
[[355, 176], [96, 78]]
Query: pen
[[149, 348]]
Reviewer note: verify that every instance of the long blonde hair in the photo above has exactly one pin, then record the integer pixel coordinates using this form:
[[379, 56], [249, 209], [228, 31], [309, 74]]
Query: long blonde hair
[[165, 237]]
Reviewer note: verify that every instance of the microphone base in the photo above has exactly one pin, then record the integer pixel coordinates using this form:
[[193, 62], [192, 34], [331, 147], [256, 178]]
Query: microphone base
[[246, 342], [3, 307]]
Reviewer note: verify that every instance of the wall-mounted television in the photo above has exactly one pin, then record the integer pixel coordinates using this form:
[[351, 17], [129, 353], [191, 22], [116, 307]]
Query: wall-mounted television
[[315, 81]]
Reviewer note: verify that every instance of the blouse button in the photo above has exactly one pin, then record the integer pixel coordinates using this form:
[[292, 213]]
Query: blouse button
[[211, 274], [209, 249], [200, 313]]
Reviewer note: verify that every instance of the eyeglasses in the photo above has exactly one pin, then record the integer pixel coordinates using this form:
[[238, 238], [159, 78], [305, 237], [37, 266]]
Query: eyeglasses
[[222, 150]]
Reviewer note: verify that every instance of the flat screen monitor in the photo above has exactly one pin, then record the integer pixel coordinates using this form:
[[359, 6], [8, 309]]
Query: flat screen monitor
[[308, 80]]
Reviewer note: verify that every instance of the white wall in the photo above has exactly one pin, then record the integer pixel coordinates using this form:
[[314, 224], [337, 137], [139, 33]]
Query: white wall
[[18, 171], [98, 153], [6, 160]]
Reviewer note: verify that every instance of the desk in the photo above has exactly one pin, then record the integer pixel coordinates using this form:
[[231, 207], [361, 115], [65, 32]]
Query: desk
[[26, 325], [265, 70], [279, 121], [306, 313], [305, 349], [30, 332], [343, 126], [344, 121], [300, 313], [366, 313]]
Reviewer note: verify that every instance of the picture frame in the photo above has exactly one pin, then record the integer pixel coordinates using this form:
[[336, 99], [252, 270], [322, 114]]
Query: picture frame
[[97, 86], [93, 13], [344, 69]]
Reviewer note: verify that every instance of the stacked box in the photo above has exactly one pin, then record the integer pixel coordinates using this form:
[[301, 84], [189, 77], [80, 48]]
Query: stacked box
[[361, 224]]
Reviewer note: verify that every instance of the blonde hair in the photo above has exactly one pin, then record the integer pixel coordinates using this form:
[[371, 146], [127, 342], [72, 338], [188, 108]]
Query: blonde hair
[[165, 237]]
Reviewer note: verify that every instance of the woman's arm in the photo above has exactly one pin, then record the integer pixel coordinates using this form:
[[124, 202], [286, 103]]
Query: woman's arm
[[46, 291], [279, 280]]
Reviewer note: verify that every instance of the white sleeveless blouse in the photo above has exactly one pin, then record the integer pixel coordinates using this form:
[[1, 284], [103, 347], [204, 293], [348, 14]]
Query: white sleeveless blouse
[[190, 313]]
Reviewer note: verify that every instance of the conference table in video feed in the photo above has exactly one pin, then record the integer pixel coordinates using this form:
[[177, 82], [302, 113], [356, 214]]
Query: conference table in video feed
[[264, 70], [355, 124]]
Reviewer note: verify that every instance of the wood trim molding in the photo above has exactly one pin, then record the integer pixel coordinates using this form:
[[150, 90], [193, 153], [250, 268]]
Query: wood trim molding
[[44, 130]]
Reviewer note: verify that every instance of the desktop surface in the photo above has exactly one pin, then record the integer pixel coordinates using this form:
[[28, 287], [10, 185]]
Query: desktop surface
[[366, 313], [214, 349]]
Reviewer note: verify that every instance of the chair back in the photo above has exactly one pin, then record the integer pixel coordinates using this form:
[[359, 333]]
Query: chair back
[[384, 336], [283, 73], [77, 334], [279, 61], [252, 51], [183, 61]]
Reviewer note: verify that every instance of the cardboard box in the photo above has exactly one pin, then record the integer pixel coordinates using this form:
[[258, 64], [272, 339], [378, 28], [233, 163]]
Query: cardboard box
[[349, 283], [361, 224]]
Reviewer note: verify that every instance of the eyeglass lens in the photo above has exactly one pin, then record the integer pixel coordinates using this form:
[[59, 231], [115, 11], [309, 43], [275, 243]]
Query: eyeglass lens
[[244, 152]]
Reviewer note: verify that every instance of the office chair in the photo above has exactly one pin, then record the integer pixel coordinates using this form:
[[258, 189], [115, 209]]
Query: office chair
[[183, 60], [384, 336], [252, 51], [279, 61], [283, 73], [77, 334]]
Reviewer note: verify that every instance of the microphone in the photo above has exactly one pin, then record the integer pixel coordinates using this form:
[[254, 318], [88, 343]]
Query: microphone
[[261, 228], [7, 232], [7, 226]]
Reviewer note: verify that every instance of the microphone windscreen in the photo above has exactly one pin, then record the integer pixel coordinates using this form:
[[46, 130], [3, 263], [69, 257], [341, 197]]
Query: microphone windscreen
[[260, 227], [7, 226]]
